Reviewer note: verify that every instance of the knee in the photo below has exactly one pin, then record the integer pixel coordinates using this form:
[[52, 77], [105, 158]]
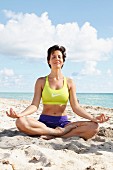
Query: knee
[[21, 123], [93, 130], [95, 127]]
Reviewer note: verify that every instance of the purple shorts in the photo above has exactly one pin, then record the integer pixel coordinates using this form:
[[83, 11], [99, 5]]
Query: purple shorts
[[54, 121]]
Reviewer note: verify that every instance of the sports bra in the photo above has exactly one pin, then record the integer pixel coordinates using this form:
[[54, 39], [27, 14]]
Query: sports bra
[[52, 96]]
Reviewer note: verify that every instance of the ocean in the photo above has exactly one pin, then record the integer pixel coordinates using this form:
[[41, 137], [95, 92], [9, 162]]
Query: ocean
[[92, 99]]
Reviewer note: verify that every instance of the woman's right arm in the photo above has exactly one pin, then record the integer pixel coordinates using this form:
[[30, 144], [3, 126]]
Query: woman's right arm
[[35, 102]]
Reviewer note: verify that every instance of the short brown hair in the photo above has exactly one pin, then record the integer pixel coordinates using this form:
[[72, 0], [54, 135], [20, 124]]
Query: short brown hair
[[55, 48]]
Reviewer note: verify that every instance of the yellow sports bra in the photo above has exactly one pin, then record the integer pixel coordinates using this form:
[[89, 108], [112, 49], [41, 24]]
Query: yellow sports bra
[[52, 96]]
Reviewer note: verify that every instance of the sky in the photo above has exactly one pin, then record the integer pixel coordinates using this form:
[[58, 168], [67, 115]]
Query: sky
[[29, 28]]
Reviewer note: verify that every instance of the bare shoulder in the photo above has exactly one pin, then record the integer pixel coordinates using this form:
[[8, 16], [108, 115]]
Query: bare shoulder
[[70, 83], [69, 80], [40, 81]]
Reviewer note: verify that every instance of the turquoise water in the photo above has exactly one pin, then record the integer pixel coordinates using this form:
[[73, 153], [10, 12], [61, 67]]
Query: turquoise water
[[94, 99], [18, 96]]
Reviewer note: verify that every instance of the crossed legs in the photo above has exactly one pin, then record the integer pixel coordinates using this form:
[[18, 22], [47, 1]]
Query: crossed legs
[[84, 129], [31, 126]]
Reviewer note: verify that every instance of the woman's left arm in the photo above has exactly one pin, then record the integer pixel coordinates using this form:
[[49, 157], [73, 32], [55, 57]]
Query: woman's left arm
[[79, 110]]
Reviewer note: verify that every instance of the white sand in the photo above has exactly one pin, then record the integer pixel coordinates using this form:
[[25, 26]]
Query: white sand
[[21, 152]]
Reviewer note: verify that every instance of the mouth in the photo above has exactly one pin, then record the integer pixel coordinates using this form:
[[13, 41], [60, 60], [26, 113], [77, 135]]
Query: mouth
[[57, 62]]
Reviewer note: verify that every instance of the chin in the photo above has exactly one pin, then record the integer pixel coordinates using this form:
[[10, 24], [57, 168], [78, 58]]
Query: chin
[[58, 67]]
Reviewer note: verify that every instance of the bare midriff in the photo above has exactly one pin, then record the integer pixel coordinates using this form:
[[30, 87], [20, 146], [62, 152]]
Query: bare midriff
[[54, 110]]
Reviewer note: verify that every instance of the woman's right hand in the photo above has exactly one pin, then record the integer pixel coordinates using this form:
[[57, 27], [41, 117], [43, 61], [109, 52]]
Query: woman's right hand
[[12, 114]]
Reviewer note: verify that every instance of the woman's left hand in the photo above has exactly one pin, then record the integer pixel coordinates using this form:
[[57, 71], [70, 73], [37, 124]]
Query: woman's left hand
[[102, 118]]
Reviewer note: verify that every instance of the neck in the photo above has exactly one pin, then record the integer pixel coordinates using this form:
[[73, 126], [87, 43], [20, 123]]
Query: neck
[[56, 74]]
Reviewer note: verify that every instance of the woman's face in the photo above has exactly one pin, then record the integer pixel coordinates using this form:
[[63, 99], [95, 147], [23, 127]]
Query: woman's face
[[56, 59]]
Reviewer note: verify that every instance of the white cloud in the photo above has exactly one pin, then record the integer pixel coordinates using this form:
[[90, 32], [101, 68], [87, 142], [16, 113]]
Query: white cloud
[[9, 79], [29, 35], [109, 73], [7, 72], [90, 69]]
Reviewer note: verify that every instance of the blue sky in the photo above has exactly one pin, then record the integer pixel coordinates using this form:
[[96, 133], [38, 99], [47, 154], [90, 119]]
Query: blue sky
[[29, 28]]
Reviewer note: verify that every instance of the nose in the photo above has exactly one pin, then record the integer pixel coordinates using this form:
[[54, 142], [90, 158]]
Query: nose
[[57, 57]]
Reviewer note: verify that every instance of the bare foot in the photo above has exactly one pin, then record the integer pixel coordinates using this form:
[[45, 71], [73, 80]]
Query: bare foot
[[58, 131], [47, 137]]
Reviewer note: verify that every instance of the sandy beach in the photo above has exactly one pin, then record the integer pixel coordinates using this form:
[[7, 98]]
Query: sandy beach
[[21, 152]]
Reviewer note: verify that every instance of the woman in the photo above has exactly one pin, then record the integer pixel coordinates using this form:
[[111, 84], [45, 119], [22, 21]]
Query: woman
[[55, 90]]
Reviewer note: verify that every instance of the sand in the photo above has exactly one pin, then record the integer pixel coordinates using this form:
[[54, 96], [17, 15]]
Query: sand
[[22, 152]]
